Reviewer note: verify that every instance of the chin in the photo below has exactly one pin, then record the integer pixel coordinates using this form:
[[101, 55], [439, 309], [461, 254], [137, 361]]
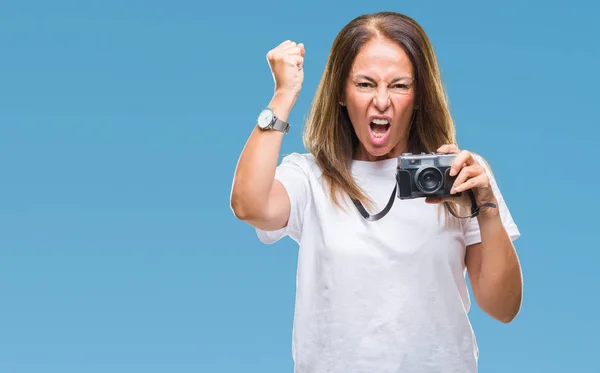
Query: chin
[[377, 153]]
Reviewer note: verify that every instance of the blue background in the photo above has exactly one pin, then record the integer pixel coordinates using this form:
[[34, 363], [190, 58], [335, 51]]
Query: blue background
[[120, 127]]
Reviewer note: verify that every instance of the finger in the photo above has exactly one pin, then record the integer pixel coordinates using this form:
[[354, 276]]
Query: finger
[[480, 181], [302, 49], [294, 60], [448, 148], [282, 44], [462, 158], [466, 173], [295, 50], [289, 45]]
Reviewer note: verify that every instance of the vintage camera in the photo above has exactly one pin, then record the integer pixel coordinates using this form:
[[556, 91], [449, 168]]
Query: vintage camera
[[424, 175]]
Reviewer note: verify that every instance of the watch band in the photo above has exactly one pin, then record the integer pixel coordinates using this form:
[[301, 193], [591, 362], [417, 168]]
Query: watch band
[[280, 125]]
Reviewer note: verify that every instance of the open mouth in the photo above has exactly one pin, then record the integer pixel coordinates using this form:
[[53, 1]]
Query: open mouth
[[379, 127]]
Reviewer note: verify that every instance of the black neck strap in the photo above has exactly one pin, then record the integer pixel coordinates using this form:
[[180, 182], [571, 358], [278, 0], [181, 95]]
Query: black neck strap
[[381, 213], [475, 210]]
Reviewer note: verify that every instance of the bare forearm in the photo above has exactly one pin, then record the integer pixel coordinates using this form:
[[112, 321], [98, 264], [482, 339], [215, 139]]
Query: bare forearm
[[500, 280], [256, 166]]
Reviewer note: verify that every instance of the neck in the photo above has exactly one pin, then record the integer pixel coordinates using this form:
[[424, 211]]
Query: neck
[[361, 153]]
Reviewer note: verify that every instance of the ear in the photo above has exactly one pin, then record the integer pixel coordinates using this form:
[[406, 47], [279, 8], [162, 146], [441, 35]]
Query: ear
[[343, 101]]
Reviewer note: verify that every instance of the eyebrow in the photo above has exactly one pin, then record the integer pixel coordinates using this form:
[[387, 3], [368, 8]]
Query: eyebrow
[[361, 76]]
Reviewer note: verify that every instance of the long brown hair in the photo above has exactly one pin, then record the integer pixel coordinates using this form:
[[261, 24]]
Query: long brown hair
[[328, 132]]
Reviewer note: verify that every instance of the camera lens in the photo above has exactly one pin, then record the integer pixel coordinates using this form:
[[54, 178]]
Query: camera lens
[[429, 180]]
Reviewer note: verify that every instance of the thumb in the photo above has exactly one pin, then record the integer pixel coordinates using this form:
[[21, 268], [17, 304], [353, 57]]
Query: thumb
[[302, 50], [448, 148], [434, 200]]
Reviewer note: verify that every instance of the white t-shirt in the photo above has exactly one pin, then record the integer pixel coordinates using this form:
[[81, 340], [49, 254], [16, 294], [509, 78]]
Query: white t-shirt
[[383, 296]]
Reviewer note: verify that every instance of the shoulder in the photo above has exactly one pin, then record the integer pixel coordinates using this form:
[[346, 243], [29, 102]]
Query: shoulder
[[304, 162], [299, 158], [480, 159], [484, 163]]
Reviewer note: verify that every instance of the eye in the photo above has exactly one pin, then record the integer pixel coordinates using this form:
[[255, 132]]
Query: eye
[[364, 85], [402, 88]]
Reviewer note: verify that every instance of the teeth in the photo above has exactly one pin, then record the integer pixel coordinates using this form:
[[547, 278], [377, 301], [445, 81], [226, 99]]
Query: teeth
[[380, 121]]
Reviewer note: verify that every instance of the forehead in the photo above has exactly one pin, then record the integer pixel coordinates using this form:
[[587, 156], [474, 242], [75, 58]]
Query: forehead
[[382, 58]]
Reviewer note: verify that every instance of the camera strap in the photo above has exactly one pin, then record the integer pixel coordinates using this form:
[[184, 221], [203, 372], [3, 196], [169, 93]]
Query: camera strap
[[475, 210], [381, 213]]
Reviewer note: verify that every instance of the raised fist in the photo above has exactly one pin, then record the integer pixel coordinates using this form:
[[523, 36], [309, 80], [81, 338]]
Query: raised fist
[[286, 63]]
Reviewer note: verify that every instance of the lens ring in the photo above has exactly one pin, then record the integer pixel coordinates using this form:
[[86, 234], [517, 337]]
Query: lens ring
[[429, 179]]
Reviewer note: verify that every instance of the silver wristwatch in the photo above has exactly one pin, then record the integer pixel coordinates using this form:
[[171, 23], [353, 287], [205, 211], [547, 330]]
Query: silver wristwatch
[[268, 121]]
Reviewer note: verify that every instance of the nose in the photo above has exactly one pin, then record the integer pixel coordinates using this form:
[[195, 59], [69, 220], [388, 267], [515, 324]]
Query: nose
[[381, 100]]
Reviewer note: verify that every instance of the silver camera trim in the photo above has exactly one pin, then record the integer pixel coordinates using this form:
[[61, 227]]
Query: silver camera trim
[[426, 159]]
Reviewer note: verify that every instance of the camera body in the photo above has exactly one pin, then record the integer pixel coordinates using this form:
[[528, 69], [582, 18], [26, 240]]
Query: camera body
[[424, 175]]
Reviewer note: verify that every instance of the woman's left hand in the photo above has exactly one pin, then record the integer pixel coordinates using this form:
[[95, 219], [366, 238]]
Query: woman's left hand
[[471, 175]]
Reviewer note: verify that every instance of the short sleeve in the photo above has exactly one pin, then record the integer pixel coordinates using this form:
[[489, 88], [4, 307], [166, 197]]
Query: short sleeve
[[293, 174], [472, 233]]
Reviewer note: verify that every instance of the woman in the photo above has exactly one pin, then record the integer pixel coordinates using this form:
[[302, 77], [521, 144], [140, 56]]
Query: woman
[[388, 295]]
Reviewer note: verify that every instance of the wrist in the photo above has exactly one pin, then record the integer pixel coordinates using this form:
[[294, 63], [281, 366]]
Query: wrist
[[282, 103], [489, 214]]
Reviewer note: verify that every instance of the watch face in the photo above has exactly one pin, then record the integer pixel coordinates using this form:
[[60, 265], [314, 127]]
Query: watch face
[[265, 118]]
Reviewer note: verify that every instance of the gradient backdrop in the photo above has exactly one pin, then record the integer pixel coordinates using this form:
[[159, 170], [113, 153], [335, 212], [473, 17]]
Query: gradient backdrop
[[121, 123]]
